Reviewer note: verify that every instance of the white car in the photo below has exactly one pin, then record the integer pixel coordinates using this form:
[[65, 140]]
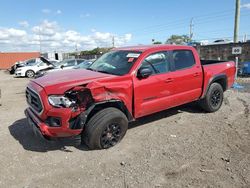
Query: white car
[[32, 67], [63, 65]]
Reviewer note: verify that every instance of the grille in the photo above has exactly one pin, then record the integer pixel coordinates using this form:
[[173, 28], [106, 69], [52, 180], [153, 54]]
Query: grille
[[33, 100]]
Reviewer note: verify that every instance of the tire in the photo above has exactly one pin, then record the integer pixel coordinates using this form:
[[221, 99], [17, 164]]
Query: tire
[[30, 73], [213, 99], [105, 129]]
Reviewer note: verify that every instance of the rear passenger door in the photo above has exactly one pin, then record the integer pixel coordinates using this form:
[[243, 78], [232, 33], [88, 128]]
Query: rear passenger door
[[187, 77]]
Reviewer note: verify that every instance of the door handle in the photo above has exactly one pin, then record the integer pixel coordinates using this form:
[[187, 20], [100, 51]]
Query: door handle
[[196, 74], [168, 80]]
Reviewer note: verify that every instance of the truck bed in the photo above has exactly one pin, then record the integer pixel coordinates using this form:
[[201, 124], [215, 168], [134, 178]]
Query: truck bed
[[213, 68], [208, 62]]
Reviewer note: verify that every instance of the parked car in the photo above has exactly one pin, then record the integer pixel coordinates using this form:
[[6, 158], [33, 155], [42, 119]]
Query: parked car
[[244, 70], [122, 86], [28, 62], [84, 65], [222, 41], [63, 65], [21, 64], [30, 67]]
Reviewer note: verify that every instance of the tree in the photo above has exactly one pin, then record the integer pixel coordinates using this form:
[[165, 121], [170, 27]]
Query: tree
[[96, 51], [178, 39], [157, 42]]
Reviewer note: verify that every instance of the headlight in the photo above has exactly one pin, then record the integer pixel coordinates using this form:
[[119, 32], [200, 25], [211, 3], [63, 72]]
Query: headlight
[[60, 101]]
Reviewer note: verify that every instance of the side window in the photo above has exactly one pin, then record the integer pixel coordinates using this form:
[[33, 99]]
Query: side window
[[42, 63], [31, 62], [183, 59], [158, 62]]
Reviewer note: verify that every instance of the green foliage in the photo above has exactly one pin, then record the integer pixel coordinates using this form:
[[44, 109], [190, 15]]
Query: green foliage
[[178, 39], [96, 51], [157, 42]]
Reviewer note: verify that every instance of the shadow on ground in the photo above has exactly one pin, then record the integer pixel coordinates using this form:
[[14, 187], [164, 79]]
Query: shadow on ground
[[190, 108], [23, 132]]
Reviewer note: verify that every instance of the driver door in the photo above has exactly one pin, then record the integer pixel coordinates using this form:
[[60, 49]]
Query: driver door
[[153, 94]]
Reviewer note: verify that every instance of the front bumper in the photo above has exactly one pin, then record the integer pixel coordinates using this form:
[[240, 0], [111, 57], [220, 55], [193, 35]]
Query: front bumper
[[43, 129], [19, 74]]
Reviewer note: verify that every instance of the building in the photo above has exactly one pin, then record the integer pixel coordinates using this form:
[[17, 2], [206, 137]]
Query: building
[[54, 56], [7, 59], [224, 51]]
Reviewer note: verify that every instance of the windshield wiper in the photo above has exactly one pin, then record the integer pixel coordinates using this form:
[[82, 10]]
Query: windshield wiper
[[90, 69], [103, 72]]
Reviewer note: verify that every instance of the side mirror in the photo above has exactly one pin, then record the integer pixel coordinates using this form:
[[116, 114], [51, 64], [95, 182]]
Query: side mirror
[[144, 72]]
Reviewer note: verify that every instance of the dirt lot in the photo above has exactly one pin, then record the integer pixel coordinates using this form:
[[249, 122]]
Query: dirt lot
[[182, 147]]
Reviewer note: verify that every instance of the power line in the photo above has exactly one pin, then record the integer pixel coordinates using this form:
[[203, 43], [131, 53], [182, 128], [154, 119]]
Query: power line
[[174, 26], [184, 21]]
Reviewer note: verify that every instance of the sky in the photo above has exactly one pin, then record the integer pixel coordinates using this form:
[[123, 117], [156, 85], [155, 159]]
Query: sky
[[49, 25]]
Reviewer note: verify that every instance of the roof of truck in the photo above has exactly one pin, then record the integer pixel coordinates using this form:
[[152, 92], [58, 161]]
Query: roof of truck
[[143, 48]]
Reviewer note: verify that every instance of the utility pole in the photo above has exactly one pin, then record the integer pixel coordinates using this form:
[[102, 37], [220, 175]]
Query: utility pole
[[76, 47], [191, 26], [113, 41], [236, 21], [40, 40], [245, 38]]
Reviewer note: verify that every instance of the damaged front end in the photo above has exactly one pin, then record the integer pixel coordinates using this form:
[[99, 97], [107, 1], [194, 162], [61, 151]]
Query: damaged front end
[[61, 115], [81, 99], [78, 99], [65, 115]]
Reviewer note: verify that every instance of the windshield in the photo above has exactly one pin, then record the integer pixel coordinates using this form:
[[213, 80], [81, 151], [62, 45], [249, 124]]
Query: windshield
[[115, 62]]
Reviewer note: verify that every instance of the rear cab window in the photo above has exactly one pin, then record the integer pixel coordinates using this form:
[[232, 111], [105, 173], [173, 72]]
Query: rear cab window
[[183, 59]]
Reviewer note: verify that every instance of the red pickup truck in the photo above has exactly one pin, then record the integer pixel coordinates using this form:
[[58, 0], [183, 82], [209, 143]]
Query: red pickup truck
[[121, 86]]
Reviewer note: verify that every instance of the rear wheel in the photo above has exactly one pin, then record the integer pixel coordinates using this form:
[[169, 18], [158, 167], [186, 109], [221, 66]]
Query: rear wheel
[[213, 99], [30, 73], [105, 129]]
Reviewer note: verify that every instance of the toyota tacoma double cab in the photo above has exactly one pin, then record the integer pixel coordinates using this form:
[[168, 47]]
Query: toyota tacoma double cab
[[122, 86]]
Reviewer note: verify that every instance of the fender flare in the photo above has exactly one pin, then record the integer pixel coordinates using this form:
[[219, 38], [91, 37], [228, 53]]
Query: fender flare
[[219, 78], [95, 107]]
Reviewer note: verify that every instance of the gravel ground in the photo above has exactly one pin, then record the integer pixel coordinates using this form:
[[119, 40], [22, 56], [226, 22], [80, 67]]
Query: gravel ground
[[181, 147]]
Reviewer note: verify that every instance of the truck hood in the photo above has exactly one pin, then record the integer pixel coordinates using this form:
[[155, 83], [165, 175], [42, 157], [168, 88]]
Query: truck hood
[[60, 81]]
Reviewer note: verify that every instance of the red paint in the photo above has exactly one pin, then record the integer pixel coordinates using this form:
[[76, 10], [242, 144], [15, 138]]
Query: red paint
[[140, 96]]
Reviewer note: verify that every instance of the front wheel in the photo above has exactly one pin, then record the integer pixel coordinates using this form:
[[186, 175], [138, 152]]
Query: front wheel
[[30, 73], [213, 99], [105, 129]]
